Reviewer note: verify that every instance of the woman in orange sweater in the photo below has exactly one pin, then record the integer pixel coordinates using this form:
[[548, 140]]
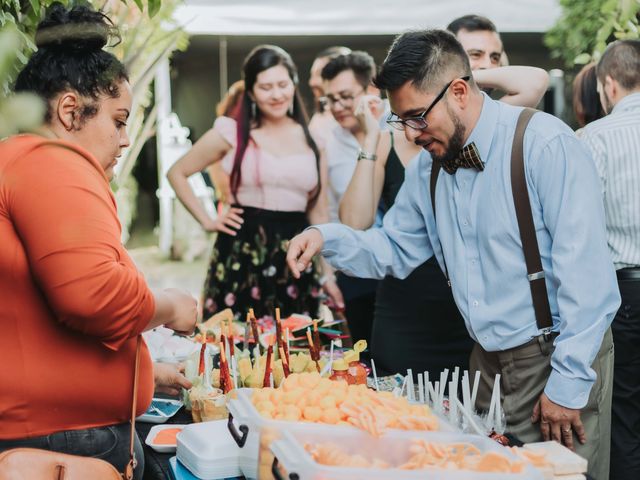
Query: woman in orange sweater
[[72, 303]]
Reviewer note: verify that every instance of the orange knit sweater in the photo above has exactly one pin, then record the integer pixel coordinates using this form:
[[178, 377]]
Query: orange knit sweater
[[71, 300]]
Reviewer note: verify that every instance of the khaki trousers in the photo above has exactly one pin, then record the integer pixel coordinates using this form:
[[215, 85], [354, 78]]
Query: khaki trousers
[[524, 372]]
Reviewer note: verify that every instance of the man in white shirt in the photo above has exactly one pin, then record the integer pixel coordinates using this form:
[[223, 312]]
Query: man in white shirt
[[614, 142], [346, 78]]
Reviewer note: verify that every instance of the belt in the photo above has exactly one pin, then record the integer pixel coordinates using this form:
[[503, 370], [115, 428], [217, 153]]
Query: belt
[[632, 273]]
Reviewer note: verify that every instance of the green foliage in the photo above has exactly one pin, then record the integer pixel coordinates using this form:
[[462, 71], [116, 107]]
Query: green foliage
[[587, 26], [17, 112]]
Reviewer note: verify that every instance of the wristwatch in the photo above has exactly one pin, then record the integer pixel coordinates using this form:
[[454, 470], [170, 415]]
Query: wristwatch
[[362, 155]]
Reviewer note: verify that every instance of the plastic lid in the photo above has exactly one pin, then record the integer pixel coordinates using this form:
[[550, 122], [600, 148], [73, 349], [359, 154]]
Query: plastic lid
[[360, 346], [354, 355], [351, 356], [339, 364]]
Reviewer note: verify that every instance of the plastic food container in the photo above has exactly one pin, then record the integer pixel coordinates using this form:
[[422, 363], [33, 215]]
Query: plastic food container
[[254, 434], [291, 460], [207, 450], [160, 410], [162, 447]]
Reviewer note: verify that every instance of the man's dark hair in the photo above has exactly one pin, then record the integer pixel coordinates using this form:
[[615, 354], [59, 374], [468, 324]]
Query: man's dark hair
[[360, 63], [621, 61], [428, 59], [471, 23], [332, 52]]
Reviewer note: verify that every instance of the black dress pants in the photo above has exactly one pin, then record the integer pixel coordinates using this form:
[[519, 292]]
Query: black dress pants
[[625, 415]]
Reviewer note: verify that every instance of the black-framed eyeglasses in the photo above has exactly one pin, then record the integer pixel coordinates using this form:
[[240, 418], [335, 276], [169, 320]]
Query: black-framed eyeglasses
[[419, 122], [344, 99]]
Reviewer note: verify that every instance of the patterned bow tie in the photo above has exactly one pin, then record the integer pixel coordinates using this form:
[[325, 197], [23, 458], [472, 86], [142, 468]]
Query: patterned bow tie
[[469, 157]]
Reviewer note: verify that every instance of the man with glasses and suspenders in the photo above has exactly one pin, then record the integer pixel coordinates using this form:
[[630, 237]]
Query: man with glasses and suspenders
[[509, 204]]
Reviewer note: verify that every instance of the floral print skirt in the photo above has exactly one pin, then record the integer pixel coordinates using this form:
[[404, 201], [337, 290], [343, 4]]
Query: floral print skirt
[[249, 270]]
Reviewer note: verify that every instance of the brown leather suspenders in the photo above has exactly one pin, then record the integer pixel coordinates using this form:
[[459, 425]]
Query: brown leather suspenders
[[535, 273]]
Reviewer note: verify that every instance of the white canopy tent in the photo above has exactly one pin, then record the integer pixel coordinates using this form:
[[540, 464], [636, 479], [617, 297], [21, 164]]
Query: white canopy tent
[[357, 17]]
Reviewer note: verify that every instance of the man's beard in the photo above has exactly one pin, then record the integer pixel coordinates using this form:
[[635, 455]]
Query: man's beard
[[456, 142]]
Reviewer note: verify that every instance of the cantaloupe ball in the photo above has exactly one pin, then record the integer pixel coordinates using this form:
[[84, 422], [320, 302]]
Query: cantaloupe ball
[[312, 413], [358, 461], [339, 395], [419, 410], [292, 396], [324, 385], [292, 413], [341, 386], [281, 408], [351, 397], [310, 380], [327, 401], [291, 382], [276, 396], [266, 413], [265, 405], [331, 416], [362, 389], [303, 401], [261, 395], [314, 396]]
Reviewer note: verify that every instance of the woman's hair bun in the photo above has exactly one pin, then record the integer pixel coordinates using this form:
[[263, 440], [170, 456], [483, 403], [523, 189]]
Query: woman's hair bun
[[79, 28]]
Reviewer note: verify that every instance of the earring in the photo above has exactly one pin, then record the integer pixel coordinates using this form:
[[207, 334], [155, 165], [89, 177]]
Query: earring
[[291, 109], [254, 112]]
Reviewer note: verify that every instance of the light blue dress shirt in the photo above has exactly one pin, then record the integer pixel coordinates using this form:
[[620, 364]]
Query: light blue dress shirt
[[478, 229]]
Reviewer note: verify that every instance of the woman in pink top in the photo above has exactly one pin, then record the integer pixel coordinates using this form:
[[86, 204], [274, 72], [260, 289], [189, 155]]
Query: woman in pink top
[[275, 170]]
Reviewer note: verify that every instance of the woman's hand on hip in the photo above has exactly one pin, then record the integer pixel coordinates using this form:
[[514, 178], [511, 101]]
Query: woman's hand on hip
[[227, 222]]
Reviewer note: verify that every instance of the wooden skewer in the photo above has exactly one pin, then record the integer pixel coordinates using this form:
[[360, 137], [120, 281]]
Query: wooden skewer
[[223, 340], [266, 382], [286, 346], [316, 338], [256, 335], [279, 331], [285, 364], [313, 352], [223, 362], [201, 363]]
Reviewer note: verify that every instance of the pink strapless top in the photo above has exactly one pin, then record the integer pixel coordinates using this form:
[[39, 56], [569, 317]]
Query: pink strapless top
[[281, 183]]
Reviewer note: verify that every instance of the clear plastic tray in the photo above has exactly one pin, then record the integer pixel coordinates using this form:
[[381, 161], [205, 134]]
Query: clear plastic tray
[[393, 447], [254, 434], [160, 410]]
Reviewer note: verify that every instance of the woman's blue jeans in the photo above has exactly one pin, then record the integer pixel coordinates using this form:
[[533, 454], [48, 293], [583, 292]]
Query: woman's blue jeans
[[109, 443]]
